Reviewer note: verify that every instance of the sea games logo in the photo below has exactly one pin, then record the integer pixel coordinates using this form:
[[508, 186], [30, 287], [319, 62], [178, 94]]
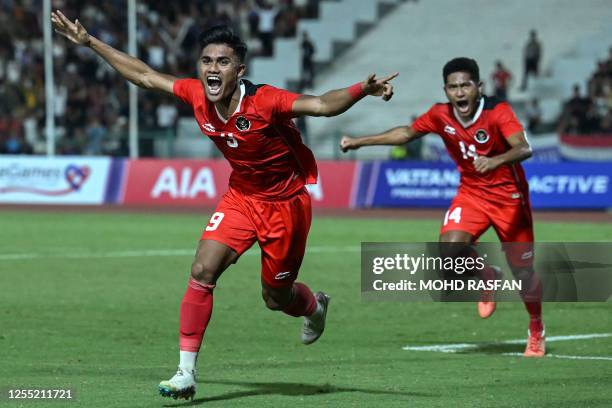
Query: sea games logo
[[45, 181]]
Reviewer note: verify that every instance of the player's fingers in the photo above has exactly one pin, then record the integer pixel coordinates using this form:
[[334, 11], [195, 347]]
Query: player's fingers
[[387, 92], [390, 77], [56, 20], [63, 17], [79, 26], [371, 78]]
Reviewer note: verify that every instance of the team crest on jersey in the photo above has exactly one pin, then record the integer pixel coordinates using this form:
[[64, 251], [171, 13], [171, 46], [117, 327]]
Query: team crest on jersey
[[481, 136], [242, 124]]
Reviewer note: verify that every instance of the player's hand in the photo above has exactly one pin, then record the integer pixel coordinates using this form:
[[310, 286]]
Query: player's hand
[[75, 32], [379, 87], [486, 164], [348, 143]]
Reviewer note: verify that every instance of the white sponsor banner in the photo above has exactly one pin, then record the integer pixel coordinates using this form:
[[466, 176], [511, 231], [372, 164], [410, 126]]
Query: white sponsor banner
[[56, 180]]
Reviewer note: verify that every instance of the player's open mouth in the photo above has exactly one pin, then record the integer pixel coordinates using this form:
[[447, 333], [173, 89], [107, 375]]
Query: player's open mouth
[[463, 106], [213, 83]]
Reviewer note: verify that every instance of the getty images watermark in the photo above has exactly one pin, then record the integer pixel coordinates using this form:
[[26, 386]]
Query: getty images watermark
[[566, 272]]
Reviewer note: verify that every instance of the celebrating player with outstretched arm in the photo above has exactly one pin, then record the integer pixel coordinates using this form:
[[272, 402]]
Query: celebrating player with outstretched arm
[[487, 142], [266, 202]]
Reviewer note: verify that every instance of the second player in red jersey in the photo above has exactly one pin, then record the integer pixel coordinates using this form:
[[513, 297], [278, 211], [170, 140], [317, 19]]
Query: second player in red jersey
[[487, 142]]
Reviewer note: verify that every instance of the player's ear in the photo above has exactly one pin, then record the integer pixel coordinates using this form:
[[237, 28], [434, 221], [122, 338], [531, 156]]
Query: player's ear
[[241, 70], [480, 87]]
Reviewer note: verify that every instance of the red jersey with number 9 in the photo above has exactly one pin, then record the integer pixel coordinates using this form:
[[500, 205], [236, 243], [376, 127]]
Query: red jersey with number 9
[[259, 140], [484, 135]]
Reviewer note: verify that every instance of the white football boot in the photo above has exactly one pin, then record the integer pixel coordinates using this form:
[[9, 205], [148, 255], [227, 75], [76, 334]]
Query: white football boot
[[315, 324], [182, 385]]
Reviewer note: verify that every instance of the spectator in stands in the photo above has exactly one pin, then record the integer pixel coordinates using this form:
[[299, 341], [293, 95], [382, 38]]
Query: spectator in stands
[[501, 78], [15, 144], [534, 115], [267, 16], [95, 134], [605, 125], [531, 55], [286, 21], [308, 66], [577, 105], [167, 114]]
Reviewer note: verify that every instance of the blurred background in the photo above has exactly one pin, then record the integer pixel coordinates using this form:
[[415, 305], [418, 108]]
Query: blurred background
[[551, 59]]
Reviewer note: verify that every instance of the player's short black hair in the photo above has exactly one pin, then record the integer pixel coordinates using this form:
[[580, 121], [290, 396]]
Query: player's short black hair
[[461, 64], [222, 34]]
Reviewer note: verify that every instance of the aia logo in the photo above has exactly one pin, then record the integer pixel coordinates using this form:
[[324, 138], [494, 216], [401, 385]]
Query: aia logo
[[242, 124], [481, 136]]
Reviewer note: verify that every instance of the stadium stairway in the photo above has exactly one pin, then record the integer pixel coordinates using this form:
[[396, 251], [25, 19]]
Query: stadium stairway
[[339, 24], [417, 38]]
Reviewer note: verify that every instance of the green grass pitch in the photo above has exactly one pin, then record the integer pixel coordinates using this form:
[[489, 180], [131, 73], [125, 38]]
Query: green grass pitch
[[83, 304]]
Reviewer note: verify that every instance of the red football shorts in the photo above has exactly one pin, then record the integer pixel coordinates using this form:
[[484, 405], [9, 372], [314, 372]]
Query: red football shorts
[[512, 222], [280, 227]]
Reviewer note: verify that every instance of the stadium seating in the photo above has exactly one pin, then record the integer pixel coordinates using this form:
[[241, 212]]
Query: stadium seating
[[416, 44]]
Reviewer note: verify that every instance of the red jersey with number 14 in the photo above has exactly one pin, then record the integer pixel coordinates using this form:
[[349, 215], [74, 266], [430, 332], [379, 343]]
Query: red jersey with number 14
[[260, 140], [484, 135]]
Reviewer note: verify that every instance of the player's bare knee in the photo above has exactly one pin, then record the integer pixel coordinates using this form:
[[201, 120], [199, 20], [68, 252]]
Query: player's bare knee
[[203, 272]]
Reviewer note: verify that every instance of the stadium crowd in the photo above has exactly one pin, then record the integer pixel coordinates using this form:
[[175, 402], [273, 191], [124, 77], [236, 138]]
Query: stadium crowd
[[91, 103], [591, 113]]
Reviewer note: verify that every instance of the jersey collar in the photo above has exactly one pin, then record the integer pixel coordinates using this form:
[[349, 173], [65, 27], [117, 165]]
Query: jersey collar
[[476, 116], [242, 92]]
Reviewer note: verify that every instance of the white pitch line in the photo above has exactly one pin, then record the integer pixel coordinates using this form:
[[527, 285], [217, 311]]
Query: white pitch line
[[454, 348], [451, 348], [152, 253], [566, 357]]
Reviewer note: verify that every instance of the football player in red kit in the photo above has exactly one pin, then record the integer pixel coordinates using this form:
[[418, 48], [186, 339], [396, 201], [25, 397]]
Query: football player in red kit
[[487, 142], [266, 202]]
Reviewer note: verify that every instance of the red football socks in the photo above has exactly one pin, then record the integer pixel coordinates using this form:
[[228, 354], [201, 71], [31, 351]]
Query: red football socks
[[532, 297], [535, 316], [196, 308], [303, 302]]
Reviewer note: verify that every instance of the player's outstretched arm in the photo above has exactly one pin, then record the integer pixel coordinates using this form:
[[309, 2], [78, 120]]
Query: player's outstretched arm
[[132, 69], [396, 136], [519, 150], [335, 102]]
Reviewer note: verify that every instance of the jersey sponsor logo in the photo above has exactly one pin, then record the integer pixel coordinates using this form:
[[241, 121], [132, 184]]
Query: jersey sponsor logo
[[481, 136], [209, 127], [282, 275], [242, 124], [450, 130], [527, 255]]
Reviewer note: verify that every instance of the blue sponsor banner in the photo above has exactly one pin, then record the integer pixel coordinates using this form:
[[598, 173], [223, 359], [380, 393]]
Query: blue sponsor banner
[[570, 185], [427, 184]]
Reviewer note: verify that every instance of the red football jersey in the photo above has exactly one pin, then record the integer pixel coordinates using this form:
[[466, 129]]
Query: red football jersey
[[260, 140], [484, 135]]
